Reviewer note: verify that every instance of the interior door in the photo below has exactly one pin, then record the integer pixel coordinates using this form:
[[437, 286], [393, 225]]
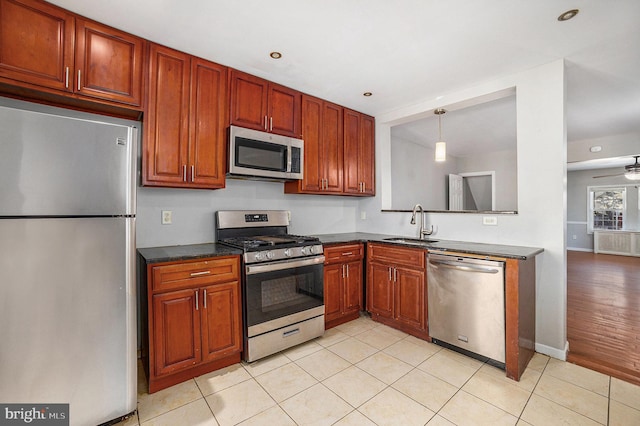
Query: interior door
[[456, 192]]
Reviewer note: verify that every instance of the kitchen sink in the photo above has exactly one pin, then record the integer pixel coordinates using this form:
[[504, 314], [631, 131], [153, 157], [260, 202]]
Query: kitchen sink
[[415, 241]]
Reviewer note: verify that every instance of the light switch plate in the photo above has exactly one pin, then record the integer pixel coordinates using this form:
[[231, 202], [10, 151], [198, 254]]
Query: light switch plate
[[489, 220], [167, 217]]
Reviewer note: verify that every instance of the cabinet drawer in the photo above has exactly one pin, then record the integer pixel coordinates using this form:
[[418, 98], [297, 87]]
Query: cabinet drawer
[[413, 258], [343, 253], [194, 274]]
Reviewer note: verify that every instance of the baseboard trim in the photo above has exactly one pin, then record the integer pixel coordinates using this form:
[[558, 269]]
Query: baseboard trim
[[560, 354], [580, 249]]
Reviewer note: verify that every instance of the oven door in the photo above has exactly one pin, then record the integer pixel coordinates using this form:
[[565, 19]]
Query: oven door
[[280, 293]]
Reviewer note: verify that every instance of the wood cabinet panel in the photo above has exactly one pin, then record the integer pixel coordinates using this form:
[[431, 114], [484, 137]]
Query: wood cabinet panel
[[323, 153], [185, 127], [397, 287], [176, 330], [36, 43], [380, 289], [248, 101], [191, 274], [342, 253], [353, 287], [166, 124], [397, 255], [283, 110], [312, 129], [208, 127], [343, 275], [359, 153], [198, 327], [333, 292], [262, 105], [108, 63], [221, 330], [410, 303]]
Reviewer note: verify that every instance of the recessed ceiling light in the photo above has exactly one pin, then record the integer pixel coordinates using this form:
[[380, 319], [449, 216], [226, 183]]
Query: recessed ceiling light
[[275, 55], [367, 94], [568, 15]]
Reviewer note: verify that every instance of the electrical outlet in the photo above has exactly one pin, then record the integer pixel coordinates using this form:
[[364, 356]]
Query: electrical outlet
[[167, 217], [489, 220], [575, 237], [363, 215]]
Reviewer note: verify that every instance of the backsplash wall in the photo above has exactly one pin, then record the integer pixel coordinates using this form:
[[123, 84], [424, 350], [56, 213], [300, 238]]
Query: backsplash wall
[[193, 211]]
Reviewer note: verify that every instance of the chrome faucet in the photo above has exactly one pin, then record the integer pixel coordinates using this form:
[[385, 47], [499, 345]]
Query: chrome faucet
[[423, 231]]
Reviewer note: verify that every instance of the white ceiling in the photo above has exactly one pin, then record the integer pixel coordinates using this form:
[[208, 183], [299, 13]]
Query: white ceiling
[[406, 51]]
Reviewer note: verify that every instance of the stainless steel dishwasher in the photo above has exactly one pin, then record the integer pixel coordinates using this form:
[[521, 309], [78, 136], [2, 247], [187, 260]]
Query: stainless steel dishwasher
[[466, 304]]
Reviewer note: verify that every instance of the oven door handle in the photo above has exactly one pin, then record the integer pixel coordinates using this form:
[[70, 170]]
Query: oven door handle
[[287, 264]]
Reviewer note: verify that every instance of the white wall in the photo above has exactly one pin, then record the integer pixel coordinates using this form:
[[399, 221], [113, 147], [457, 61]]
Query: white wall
[[541, 218], [193, 211]]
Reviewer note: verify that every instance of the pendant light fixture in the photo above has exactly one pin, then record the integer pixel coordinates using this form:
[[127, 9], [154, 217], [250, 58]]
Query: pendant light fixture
[[441, 146]]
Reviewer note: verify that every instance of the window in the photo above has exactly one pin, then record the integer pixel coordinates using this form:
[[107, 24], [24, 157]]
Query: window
[[607, 207]]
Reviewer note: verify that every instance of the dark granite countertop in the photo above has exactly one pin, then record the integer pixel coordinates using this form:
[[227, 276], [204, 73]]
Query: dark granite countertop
[[498, 250], [186, 252]]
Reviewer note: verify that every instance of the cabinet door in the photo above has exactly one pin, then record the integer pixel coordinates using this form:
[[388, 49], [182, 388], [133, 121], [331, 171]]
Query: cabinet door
[[353, 287], [283, 111], [176, 331], [333, 292], [380, 290], [410, 303], [359, 153], [366, 156], [351, 145], [248, 101], [208, 124], [36, 43], [108, 63], [313, 171], [332, 147], [166, 123], [221, 327]]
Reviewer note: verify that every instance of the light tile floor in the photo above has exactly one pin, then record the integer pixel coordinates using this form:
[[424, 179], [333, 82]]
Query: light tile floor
[[364, 373]]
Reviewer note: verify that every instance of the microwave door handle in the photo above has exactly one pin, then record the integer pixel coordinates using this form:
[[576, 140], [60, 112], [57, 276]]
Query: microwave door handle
[[289, 153]]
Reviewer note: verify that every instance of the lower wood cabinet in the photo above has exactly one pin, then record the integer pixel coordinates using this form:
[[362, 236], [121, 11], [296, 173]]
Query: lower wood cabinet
[[194, 319], [397, 287], [343, 275]]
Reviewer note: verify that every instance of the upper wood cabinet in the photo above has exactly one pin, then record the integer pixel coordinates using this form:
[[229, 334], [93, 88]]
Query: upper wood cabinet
[[108, 63], [262, 105], [359, 153], [46, 47], [36, 43], [323, 148], [185, 126]]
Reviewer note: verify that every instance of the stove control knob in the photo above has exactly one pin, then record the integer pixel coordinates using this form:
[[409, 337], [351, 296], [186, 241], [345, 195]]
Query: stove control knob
[[259, 256], [303, 251], [269, 255], [287, 252]]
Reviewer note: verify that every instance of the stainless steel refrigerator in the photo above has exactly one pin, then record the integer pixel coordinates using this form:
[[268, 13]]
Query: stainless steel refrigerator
[[67, 265]]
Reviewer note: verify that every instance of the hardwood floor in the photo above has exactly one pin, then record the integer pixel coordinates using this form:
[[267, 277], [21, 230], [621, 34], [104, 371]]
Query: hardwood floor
[[603, 313]]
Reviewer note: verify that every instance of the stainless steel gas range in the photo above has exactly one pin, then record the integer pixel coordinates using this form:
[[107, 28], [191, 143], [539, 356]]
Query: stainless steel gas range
[[282, 280]]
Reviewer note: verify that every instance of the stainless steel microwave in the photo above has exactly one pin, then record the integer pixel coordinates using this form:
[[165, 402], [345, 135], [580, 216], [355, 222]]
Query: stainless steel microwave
[[255, 154]]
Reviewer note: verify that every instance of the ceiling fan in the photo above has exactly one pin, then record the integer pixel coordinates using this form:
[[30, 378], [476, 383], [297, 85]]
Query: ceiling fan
[[631, 171]]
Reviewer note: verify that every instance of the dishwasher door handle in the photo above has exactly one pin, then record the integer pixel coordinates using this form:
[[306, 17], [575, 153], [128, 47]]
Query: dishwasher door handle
[[466, 268]]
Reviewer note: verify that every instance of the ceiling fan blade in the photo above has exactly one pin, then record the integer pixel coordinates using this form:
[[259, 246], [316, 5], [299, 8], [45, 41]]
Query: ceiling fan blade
[[603, 176]]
